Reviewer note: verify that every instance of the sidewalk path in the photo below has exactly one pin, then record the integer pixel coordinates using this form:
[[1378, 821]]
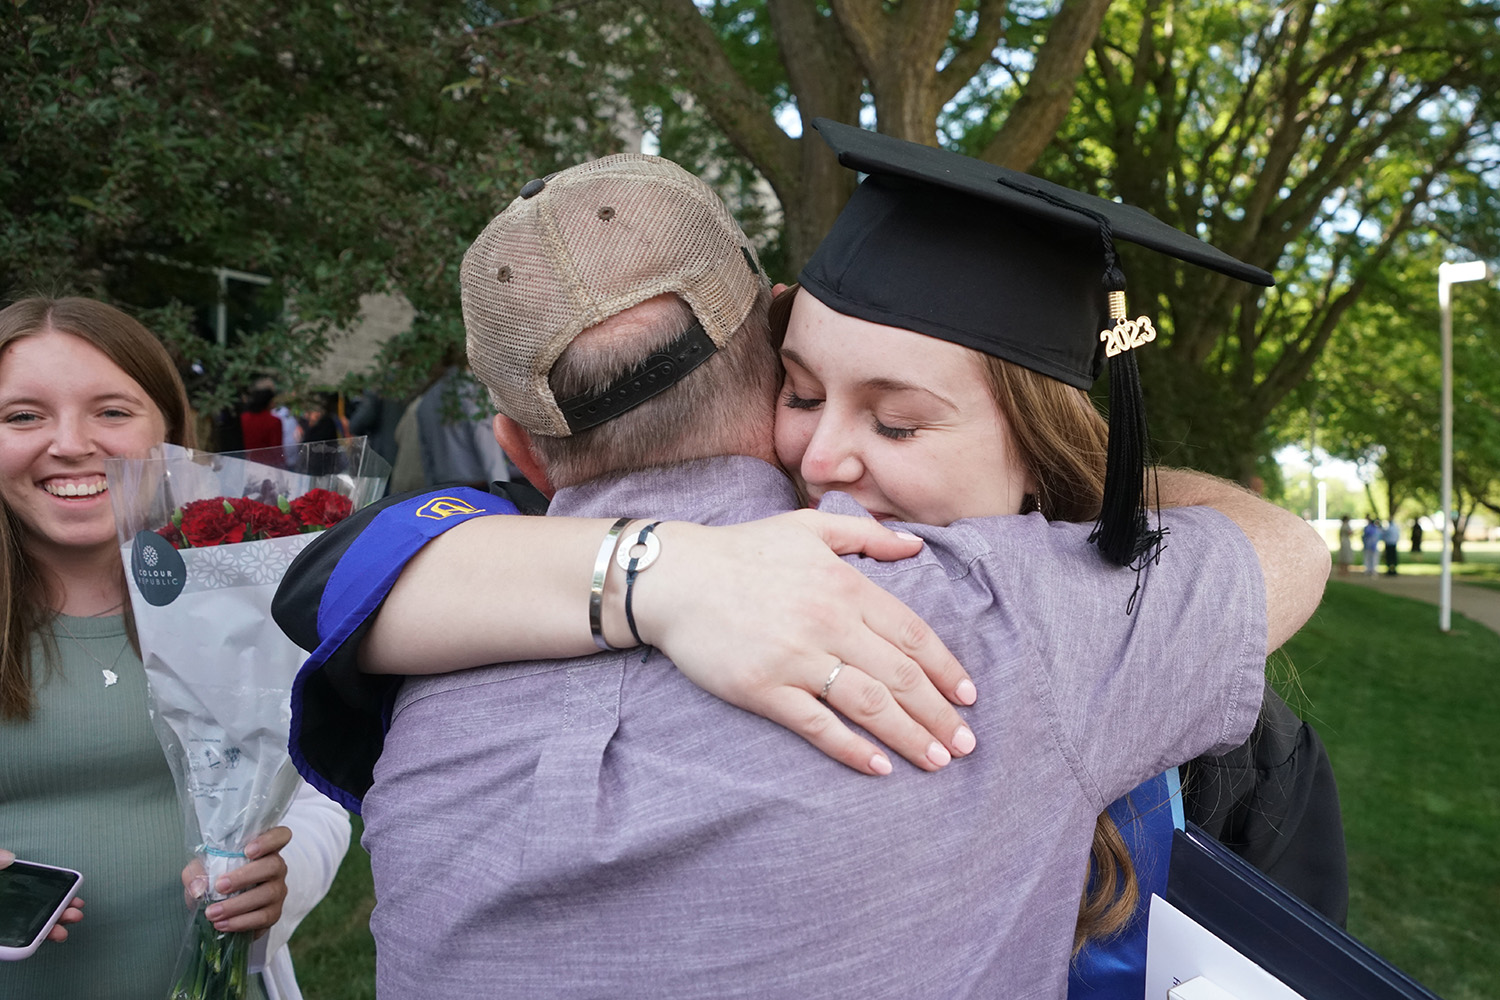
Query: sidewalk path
[[1479, 603]]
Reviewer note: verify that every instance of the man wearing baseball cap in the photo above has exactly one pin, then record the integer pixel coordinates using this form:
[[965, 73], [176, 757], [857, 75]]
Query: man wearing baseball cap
[[599, 826]]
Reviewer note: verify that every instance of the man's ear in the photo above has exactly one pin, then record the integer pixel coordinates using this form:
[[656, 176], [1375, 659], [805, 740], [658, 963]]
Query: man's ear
[[515, 441]]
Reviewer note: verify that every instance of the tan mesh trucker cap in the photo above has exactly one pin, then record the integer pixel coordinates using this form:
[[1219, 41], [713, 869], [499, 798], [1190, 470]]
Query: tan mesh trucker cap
[[579, 247]]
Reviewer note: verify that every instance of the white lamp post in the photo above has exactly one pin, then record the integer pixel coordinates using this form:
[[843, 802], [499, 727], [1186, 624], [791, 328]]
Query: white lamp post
[[1448, 275]]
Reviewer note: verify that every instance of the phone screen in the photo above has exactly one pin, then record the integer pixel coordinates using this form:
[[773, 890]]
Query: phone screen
[[29, 895]]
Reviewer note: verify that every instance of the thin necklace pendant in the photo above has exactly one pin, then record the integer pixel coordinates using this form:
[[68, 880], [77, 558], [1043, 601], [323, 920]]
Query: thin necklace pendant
[[110, 677]]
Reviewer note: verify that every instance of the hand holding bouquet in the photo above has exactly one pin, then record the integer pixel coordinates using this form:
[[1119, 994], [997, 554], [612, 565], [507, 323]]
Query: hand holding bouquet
[[205, 540]]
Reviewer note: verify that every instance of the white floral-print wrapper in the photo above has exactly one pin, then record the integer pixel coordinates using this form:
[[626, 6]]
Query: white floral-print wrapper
[[218, 669]]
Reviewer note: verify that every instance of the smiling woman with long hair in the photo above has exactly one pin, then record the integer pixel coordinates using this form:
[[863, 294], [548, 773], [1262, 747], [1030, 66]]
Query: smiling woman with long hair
[[83, 781]]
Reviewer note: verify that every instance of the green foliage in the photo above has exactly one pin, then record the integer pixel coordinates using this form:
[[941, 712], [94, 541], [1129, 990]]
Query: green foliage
[[745, 31], [1323, 142], [355, 147], [340, 148], [333, 951], [1378, 389], [1296, 493]]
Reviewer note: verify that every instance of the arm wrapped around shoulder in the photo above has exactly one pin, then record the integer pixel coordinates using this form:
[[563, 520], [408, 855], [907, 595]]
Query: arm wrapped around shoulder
[[1294, 561]]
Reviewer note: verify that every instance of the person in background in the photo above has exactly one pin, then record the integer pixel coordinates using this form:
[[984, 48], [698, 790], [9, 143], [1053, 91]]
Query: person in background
[[291, 429], [1392, 546], [1346, 545], [322, 424], [407, 471], [259, 427], [226, 429], [1370, 541], [319, 424], [335, 402], [375, 417], [1416, 538], [83, 781], [457, 444]]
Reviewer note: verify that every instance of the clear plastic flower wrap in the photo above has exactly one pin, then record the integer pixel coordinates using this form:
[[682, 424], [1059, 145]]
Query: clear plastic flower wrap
[[205, 540]]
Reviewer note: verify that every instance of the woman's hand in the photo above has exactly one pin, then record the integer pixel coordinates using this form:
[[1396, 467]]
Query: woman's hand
[[71, 915], [256, 889], [760, 614], [757, 614]]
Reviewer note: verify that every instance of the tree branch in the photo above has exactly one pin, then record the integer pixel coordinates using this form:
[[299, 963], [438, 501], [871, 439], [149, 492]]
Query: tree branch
[[1306, 199], [516, 22], [1034, 119], [735, 107], [1286, 138], [826, 79], [821, 67], [1296, 361], [972, 53], [898, 49], [864, 25]]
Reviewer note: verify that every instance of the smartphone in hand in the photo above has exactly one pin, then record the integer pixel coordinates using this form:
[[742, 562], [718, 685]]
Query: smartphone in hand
[[32, 898]]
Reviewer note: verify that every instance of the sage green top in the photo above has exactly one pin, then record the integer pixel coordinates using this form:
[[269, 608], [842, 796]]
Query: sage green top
[[84, 784]]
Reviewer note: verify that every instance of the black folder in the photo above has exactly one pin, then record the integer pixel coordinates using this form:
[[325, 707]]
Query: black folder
[[1274, 929]]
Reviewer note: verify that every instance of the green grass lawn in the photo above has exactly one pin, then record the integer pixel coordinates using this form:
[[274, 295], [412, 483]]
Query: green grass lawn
[[1410, 719], [332, 950]]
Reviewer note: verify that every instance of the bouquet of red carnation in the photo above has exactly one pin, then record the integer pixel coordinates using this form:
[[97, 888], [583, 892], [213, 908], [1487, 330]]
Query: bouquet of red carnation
[[199, 524], [206, 539]]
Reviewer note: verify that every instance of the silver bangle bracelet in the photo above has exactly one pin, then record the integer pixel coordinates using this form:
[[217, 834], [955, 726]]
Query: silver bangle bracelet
[[596, 587]]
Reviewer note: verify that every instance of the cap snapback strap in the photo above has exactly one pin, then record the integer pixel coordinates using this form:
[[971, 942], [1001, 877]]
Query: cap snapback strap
[[659, 372]]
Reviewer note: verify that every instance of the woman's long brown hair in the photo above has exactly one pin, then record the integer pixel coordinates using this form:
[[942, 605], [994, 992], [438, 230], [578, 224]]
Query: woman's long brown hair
[[1062, 441], [26, 595]]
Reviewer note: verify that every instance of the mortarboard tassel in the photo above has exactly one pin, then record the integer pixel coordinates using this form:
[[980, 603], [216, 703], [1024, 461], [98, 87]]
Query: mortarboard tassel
[[1122, 532]]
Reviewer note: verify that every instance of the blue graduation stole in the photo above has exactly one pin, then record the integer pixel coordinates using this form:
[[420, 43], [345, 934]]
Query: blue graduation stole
[[1116, 967], [361, 580]]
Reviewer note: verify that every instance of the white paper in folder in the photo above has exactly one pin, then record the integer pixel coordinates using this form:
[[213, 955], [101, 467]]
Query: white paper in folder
[[1179, 950], [1199, 989]]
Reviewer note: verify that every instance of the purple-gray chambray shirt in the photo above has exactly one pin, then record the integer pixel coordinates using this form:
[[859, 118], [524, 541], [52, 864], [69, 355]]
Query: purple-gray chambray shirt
[[599, 827]]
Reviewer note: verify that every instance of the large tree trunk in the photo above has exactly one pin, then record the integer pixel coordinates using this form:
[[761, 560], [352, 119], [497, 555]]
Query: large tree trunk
[[893, 47], [825, 76], [1461, 518], [809, 211]]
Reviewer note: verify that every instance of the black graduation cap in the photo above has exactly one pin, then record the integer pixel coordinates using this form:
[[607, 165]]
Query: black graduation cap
[[1011, 265]]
